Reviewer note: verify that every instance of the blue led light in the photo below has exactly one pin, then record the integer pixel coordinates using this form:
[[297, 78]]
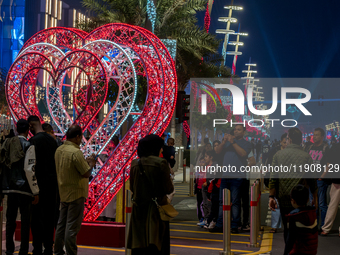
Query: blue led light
[[152, 13]]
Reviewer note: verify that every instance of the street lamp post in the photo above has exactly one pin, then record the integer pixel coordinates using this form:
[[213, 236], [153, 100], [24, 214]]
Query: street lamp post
[[227, 31]]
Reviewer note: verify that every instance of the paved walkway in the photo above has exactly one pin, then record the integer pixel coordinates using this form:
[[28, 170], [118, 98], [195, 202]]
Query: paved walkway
[[188, 239]]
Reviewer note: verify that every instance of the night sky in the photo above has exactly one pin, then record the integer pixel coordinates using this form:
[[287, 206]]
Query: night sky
[[286, 38], [289, 39]]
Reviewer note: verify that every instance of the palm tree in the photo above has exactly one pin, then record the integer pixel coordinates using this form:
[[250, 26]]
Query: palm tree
[[176, 19]]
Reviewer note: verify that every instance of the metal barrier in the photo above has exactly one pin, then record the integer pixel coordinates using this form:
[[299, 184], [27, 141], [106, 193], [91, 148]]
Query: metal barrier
[[128, 217], [254, 223], [226, 223]]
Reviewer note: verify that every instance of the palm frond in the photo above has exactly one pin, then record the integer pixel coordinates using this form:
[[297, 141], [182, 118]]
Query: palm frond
[[176, 19]]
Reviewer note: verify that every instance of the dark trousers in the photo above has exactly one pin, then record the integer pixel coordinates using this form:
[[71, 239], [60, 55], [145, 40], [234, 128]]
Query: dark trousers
[[70, 219], [215, 206], [43, 216], [199, 198], [285, 211], [234, 185], [14, 202], [245, 201]]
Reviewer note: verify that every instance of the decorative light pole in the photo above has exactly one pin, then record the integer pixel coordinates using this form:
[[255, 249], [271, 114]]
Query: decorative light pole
[[227, 31], [257, 93], [236, 53]]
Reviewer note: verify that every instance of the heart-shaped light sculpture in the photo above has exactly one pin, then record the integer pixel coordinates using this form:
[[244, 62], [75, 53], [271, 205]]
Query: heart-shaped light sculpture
[[82, 64]]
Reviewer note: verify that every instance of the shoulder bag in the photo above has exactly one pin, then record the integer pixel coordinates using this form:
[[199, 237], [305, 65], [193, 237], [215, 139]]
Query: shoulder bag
[[167, 212]]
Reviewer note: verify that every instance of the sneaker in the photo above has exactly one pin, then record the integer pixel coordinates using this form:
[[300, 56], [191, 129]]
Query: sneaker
[[234, 231], [246, 227], [216, 230], [201, 224], [211, 225], [205, 225]]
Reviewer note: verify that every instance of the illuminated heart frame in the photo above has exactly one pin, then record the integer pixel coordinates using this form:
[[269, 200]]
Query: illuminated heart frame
[[117, 51]]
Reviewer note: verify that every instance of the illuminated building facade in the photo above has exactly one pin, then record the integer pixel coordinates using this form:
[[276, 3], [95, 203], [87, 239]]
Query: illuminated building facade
[[21, 19]]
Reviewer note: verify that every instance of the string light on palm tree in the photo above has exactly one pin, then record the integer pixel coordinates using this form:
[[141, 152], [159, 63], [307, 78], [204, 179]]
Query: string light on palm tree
[[207, 17], [227, 31]]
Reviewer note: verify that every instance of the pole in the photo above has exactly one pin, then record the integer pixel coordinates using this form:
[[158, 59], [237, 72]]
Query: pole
[[184, 171], [259, 208], [253, 216], [191, 181], [123, 206], [128, 217], [226, 38], [180, 157], [173, 125], [226, 223]]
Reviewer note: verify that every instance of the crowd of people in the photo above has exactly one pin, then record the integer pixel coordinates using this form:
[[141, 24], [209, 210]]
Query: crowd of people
[[48, 182], [295, 199]]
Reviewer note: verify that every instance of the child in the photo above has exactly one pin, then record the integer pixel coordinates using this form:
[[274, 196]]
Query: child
[[169, 152], [199, 181], [302, 223], [208, 161]]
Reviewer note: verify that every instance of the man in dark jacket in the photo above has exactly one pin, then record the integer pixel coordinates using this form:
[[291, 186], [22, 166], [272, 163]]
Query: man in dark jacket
[[43, 214], [20, 185]]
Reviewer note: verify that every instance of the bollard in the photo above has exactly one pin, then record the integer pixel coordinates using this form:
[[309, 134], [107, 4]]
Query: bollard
[[127, 220], [253, 217], [259, 207], [180, 157], [226, 223], [184, 170], [123, 206], [191, 181]]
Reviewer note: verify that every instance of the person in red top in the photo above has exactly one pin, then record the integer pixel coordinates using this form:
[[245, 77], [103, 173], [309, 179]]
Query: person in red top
[[302, 236]]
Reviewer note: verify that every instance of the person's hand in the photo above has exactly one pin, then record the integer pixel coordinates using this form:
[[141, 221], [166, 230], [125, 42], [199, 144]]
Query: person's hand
[[36, 200], [205, 184], [230, 138], [172, 157], [91, 160], [225, 138], [272, 204]]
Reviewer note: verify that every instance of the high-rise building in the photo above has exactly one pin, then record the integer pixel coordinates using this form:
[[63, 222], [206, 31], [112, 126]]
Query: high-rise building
[[20, 19]]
